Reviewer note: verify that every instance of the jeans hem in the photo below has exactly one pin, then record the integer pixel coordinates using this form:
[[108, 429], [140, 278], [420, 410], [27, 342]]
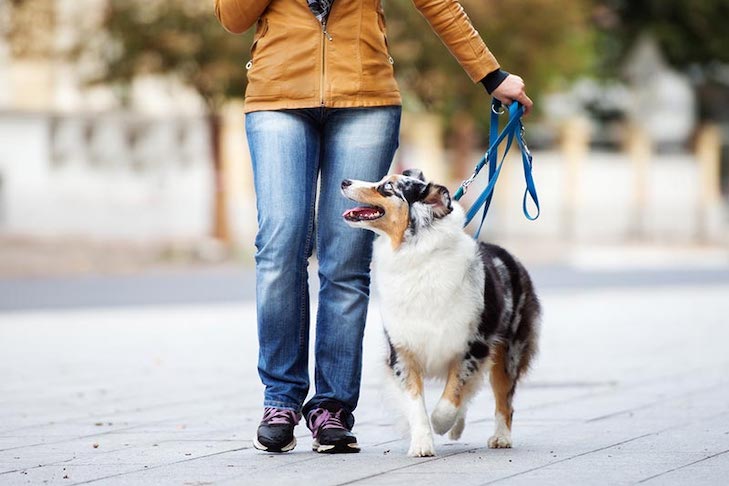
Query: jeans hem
[[283, 405]]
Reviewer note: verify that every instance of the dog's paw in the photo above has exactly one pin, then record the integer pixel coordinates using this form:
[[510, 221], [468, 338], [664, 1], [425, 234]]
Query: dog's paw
[[421, 446], [500, 442], [443, 417], [457, 429]]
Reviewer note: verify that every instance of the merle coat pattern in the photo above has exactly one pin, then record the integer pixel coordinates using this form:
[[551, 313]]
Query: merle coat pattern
[[452, 308]]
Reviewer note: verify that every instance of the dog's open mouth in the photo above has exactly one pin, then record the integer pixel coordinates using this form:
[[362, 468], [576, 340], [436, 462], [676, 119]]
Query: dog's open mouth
[[364, 213]]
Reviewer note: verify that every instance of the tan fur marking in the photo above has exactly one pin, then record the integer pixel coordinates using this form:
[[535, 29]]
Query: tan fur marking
[[457, 392], [414, 372], [396, 219], [453, 387], [395, 223], [501, 384]]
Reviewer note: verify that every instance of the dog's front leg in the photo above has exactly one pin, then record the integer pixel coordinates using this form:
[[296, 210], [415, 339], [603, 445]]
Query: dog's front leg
[[409, 376], [450, 412]]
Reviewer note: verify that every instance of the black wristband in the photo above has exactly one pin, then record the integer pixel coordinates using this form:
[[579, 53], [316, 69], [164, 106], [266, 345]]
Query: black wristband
[[494, 79]]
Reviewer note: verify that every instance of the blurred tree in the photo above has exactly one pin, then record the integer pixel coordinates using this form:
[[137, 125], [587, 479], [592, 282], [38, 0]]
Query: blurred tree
[[692, 35], [547, 43], [30, 28], [689, 33], [180, 39]]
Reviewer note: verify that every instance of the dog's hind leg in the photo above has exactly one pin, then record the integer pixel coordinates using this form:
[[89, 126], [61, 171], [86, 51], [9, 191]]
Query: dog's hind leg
[[408, 374], [503, 386], [510, 361]]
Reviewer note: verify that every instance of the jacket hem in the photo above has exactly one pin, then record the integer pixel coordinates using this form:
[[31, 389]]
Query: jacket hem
[[258, 104]]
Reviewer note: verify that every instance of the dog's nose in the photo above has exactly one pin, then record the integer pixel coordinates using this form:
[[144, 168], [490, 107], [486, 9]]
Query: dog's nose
[[346, 183]]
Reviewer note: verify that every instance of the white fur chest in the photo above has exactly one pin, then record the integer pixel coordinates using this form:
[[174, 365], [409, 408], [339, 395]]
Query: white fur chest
[[431, 294]]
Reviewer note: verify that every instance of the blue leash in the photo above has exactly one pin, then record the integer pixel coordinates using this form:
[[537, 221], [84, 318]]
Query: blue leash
[[514, 129]]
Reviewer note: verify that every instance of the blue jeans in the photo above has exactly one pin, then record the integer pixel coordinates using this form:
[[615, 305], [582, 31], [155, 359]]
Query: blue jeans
[[291, 150]]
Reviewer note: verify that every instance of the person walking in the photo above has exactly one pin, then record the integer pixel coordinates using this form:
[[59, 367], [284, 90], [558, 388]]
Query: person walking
[[322, 105]]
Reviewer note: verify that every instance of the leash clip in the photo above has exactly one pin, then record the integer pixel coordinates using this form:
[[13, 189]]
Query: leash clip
[[467, 182], [523, 142]]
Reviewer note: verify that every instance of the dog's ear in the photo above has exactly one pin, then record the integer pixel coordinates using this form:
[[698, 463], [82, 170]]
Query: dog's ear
[[413, 191], [416, 173], [439, 199]]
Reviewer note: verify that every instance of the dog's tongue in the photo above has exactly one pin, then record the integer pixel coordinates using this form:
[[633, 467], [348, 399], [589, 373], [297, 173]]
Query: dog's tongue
[[361, 213]]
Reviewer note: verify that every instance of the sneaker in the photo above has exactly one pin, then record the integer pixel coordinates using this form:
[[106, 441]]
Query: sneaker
[[276, 430], [331, 435]]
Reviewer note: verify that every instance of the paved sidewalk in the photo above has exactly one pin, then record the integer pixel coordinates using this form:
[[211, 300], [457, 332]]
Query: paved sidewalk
[[632, 386]]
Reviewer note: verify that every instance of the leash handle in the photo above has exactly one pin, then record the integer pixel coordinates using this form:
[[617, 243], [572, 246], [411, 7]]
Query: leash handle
[[514, 129]]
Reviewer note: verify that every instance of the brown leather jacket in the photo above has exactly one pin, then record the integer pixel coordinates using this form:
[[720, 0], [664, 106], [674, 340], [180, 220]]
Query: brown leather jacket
[[296, 64]]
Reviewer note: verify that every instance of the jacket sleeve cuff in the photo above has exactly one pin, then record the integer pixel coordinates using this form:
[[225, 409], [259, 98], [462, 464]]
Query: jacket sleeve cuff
[[494, 79]]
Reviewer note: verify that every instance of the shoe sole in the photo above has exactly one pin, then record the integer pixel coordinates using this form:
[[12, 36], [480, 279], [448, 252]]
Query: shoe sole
[[288, 447], [349, 448]]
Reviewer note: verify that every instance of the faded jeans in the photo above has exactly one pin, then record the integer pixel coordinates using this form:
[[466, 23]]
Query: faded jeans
[[291, 150]]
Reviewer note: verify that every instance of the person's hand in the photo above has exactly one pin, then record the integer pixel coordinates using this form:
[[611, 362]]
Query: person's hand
[[512, 89]]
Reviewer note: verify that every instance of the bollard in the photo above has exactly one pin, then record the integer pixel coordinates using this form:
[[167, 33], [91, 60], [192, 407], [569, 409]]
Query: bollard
[[236, 162], [575, 142], [708, 157], [640, 150]]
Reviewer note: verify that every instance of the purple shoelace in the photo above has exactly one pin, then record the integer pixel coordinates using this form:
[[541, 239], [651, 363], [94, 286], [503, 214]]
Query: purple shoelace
[[277, 416], [322, 418]]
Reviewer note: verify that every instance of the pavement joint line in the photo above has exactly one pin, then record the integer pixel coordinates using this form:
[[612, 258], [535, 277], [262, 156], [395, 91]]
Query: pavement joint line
[[682, 467], [110, 451], [663, 399], [108, 432], [642, 436], [149, 444], [116, 412], [329, 456], [132, 427], [157, 466], [315, 457], [550, 430], [618, 388], [406, 466], [551, 463], [55, 463]]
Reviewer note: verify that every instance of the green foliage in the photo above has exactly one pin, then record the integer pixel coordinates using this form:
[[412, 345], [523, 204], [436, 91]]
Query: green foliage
[[689, 32], [181, 38], [547, 43]]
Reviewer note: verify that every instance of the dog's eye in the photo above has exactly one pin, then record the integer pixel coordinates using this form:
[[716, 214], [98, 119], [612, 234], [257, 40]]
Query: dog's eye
[[387, 189]]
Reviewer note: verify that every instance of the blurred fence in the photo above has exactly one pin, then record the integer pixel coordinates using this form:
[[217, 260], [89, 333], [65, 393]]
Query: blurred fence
[[120, 175], [604, 199], [111, 175], [636, 193]]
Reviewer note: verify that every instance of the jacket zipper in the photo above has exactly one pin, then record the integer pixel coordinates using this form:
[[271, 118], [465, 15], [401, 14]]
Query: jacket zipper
[[325, 37]]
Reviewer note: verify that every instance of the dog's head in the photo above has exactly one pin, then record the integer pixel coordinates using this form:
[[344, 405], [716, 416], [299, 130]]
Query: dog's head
[[397, 204]]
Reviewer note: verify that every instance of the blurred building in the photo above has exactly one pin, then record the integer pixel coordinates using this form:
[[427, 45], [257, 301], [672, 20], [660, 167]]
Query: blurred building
[[73, 161]]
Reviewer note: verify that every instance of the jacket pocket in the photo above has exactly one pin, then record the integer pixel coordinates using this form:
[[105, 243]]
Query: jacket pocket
[[377, 63], [383, 29], [263, 70]]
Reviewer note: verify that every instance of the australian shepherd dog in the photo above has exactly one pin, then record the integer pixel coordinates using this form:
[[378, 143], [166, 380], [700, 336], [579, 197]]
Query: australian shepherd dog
[[453, 308]]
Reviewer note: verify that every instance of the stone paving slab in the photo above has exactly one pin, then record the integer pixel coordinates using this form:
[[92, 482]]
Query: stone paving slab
[[631, 386]]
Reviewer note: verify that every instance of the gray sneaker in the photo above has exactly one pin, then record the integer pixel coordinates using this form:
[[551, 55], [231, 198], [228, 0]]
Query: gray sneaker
[[331, 435], [276, 430]]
